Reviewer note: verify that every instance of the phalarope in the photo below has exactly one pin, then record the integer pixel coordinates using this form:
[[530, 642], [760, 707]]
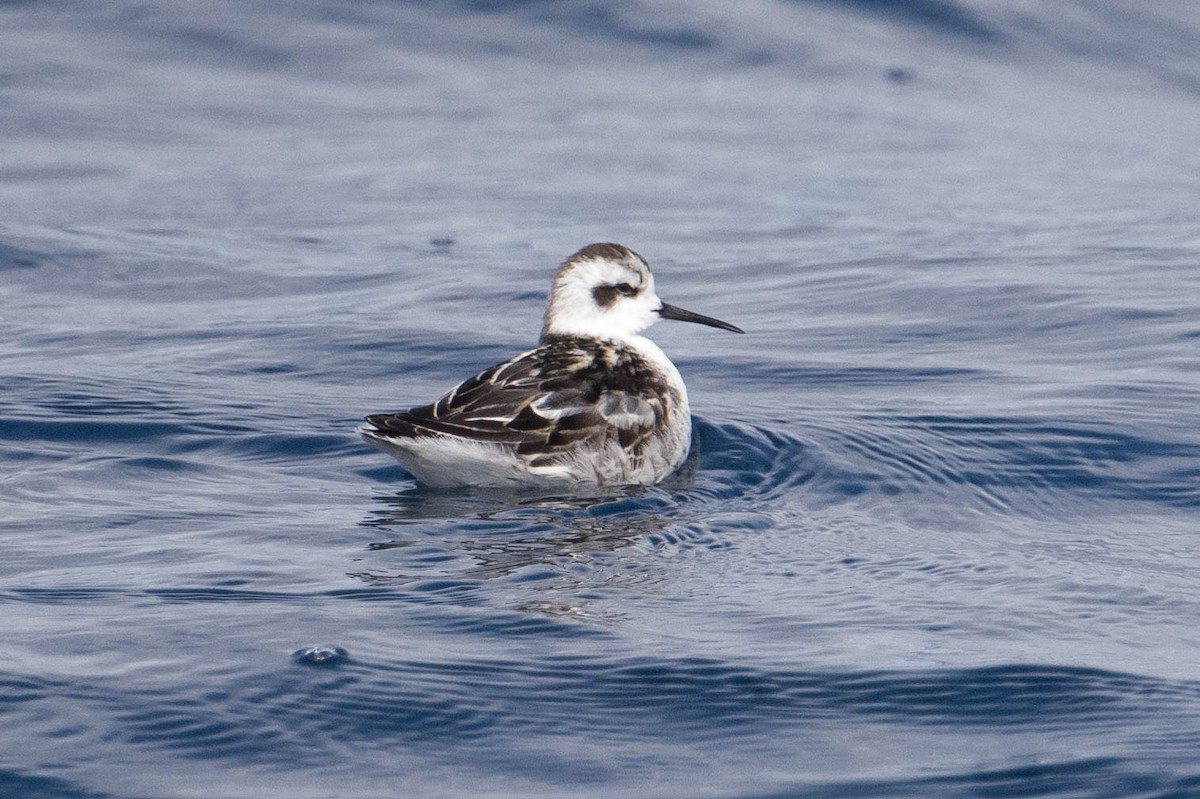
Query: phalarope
[[595, 402]]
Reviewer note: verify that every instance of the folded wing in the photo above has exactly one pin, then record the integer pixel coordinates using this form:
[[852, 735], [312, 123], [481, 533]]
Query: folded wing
[[546, 402]]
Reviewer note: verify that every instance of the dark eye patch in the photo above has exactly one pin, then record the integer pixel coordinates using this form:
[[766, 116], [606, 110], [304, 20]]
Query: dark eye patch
[[604, 295]]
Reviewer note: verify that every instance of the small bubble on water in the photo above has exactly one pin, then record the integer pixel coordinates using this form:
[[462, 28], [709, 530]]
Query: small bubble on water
[[320, 655]]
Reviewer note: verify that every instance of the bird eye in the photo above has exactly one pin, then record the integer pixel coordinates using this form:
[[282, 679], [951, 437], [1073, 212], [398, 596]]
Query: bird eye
[[625, 290]]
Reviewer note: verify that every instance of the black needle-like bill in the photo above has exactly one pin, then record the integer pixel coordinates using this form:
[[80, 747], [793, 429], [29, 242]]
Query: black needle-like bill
[[680, 315]]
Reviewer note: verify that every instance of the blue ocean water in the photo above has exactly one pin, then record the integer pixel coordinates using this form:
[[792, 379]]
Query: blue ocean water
[[942, 531]]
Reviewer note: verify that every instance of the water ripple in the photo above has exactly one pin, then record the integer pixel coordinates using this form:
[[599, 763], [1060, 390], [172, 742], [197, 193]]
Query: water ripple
[[317, 713], [992, 463]]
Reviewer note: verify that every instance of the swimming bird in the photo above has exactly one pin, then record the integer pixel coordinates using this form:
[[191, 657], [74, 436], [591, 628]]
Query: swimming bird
[[594, 403]]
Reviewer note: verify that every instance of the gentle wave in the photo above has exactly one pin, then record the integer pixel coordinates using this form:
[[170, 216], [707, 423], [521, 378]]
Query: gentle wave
[[315, 712]]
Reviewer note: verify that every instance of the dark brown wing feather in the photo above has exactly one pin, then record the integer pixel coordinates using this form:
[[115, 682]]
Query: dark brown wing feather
[[547, 401]]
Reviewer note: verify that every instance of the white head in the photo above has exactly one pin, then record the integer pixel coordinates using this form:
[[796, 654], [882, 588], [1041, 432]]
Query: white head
[[607, 291]]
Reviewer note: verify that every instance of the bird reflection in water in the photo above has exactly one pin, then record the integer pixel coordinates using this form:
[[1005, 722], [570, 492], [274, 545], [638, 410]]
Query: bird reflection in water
[[477, 547]]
